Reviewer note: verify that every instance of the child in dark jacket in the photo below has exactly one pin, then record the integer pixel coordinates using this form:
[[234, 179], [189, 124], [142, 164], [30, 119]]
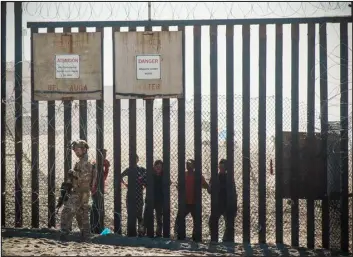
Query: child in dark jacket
[[157, 196], [141, 178], [223, 192]]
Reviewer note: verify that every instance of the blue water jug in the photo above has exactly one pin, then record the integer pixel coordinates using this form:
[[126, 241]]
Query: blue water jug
[[106, 231]]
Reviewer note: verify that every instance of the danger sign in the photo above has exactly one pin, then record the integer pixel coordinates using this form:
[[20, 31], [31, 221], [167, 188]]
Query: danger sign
[[148, 67], [152, 64]]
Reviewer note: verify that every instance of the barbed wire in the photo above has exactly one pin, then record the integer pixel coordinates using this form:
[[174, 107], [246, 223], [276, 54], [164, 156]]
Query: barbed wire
[[180, 10]]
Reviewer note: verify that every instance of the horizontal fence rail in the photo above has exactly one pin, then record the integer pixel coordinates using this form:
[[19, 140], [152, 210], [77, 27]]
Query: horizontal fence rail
[[255, 134]]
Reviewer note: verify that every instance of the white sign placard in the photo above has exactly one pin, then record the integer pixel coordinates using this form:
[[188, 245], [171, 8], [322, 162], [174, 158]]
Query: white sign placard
[[148, 67], [149, 64], [67, 66]]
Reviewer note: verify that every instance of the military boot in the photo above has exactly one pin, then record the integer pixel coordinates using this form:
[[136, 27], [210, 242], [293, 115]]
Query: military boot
[[64, 233]]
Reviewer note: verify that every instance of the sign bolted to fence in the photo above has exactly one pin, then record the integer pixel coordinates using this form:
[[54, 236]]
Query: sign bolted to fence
[[148, 64], [67, 66], [148, 67]]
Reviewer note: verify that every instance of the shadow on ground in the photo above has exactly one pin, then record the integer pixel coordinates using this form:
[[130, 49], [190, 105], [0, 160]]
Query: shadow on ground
[[228, 249]]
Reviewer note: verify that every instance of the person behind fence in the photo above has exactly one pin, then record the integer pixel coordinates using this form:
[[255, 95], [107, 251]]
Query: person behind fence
[[77, 204], [106, 166], [141, 181], [223, 191], [94, 209], [190, 196], [157, 197]]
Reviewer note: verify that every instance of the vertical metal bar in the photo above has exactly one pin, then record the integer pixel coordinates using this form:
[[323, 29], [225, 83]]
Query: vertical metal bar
[[279, 132], [149, 161], [295, 134], [83, 108], [35, 145], [181, 150], [67, 129], [3, 111], [311, 127], [246, 134], [197, 133], [51, 156], [352, 129], [324, 132], [344, 136], [100, 143], [231, 187], [214, 131], [131, 219], [18, 115], [262, 132], [166, 163], [117, 147], [149, 165]]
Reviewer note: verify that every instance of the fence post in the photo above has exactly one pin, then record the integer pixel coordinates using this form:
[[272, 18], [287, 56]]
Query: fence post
[[67, 129], [149, 162], [131, 195], [51, 157], [262, 133], [100, 145], [18, 116], [344, 136], [3, 111], [214, 220], [279, 132], [246, 134], [295, 134], [83, 107], [180, 227], [117, 147], [35, 144], [311, 126], [166, 163], [197, 134], [230, 130], [324, 131]]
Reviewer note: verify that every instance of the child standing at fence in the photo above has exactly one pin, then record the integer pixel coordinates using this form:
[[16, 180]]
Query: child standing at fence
[[190, 196], [141, 181], [158, 197], [223, 192]]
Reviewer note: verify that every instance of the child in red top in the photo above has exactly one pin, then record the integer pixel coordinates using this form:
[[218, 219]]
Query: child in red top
[[190, 195], [106, 165]]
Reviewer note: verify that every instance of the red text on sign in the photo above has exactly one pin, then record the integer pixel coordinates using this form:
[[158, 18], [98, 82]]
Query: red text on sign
[[148, 60], [67, 59]]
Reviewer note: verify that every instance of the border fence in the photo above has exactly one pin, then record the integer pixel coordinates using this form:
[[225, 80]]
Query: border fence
[[179, 129]]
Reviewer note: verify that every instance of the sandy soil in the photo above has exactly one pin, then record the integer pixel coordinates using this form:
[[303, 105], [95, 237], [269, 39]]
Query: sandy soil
[[40, 242], [48, 247]]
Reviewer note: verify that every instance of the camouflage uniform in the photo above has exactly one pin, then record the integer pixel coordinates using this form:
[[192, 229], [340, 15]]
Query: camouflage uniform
[[77, 204]]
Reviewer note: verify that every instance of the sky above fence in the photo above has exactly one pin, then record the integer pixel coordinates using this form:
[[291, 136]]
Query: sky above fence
[[81, 11]]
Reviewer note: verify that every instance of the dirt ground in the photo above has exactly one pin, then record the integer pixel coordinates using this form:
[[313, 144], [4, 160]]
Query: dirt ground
[[30, 242]]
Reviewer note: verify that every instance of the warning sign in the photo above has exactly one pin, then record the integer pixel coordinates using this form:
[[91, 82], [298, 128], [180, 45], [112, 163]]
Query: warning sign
[[148, 67], [149, 64], [67, 66]]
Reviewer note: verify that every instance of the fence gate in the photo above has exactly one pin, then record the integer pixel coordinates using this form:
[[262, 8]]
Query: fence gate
[[266, 212]]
